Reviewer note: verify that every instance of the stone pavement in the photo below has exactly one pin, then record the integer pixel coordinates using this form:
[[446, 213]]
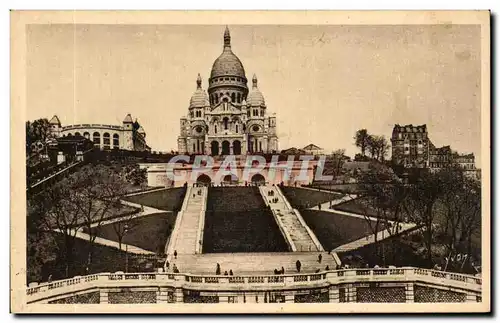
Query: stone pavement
[[290, 220], [185, 239], [252, 263]]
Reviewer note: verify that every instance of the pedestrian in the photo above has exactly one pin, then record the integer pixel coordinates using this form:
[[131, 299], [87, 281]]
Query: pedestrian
[[217, 270], [319, 206], [327, 268], [282, 270], [49, 279], [230, 272], [298, 265], [168, 264], [175, 254], [225, 273], [319, 258], [275, 271]]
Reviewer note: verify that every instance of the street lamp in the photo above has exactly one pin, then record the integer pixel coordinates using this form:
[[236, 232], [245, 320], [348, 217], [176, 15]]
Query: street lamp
[[126, 248]]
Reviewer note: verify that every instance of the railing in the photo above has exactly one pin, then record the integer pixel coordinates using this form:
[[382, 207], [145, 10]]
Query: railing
[[91, 125], [109, 280]]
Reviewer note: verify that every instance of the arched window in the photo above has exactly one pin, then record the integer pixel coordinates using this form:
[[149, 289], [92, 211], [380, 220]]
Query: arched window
[[233, 97], [236, 128], [116, 141], [225, 123], [262, 112], [69, 134], [215, 128], [86, 135], [97, 139], [106, 140], [239, 98], [77, 134]]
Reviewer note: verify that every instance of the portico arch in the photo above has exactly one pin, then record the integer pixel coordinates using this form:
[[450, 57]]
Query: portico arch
[[225, 147], [258, 179], [204, 179], [237, 147], [214, 147]]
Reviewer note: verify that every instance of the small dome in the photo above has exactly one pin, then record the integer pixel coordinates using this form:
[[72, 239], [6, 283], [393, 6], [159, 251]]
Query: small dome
[[255, 98], [199, 99]]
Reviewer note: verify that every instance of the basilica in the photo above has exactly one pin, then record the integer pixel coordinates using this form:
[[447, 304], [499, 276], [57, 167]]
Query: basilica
[[230, 119]]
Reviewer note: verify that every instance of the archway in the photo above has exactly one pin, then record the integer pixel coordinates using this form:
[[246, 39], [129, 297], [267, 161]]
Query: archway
[[204, 179], [225, 147], [230, 179], [237, 147], [214, 147], [258, 179]]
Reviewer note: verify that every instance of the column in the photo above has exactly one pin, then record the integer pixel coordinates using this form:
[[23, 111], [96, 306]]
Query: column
[[179, 295], [409, 293], [103, 297], [471, 298], [352, 294], [333, 294], [162, 295]]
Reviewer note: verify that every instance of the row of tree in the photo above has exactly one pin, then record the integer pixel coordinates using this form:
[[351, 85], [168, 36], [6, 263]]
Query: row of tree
[[445, 205], [80, 201], [376, 146]]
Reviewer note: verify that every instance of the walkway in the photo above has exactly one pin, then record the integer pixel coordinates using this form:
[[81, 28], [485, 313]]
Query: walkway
[[343, 199], [113, 244], [253, 263], [381, 235], [290, 220], [147, 210], [185, 238]]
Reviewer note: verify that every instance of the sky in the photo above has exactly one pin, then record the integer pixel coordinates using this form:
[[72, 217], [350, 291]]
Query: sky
[[324, 82]]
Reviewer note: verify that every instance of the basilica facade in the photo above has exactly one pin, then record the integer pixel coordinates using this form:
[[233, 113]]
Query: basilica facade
[[230, 119]]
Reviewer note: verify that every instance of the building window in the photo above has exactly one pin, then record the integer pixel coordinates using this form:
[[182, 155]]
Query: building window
[[233, 97], [262, 112], [106, 140], [239, 98], [97, 139], [215, 128], [236, 128], [225, 123], [77, 134], [116, 141]]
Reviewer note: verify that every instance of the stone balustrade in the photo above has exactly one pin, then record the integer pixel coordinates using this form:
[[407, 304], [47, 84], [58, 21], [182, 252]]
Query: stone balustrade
[[468, 284]]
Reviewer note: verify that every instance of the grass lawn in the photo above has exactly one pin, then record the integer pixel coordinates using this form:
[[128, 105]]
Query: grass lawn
[[300, 197], [251, 231], [334, 230], [105, 259], [149, 232], [168, 199]]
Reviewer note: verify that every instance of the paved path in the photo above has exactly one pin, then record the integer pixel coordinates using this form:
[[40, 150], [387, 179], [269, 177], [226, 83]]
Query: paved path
[[112, 244], [146, 211], [252, 263], [381, 235], [346, 198], [185, 240], [290, 220]]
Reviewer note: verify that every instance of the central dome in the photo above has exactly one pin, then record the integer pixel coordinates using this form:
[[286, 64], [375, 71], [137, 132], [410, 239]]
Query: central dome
[[227, 64]]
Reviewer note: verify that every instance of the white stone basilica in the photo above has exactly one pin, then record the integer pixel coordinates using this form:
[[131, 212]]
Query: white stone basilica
[[230, 119]]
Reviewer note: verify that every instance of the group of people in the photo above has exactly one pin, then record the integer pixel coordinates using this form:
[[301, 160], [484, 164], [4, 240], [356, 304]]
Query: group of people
[[218, 271], [175, 270]]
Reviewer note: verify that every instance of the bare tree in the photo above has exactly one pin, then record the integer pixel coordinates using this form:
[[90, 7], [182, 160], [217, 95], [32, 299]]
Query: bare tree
[[125, 224], [361, 140], [420, 204]]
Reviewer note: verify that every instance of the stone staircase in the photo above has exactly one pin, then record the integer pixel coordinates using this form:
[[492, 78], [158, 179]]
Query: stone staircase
[[253, 263], [291, 221], [185, 239]]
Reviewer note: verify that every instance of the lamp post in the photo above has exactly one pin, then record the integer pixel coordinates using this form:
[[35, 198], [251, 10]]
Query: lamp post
[[126, 249]]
